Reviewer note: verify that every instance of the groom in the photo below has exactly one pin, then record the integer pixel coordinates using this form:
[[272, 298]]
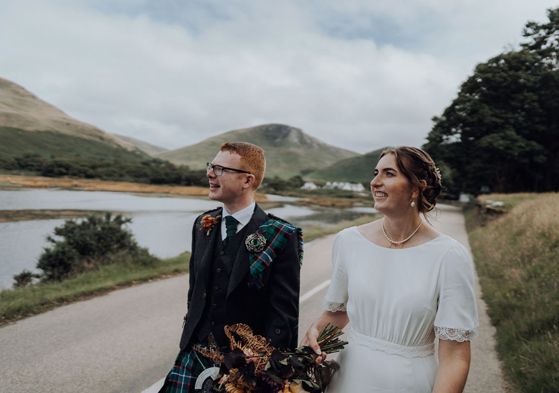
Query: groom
[[244, 267]]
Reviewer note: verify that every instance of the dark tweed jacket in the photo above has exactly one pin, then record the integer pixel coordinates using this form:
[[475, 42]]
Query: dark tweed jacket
[[271, 311]]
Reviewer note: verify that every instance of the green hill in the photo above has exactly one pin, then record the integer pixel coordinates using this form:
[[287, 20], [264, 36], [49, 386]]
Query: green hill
[[355, 169], [289, 151], [29, 125], [47, 144], [146, 147]]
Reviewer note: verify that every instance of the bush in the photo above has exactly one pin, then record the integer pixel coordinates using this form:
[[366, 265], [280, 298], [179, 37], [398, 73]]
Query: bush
[[89, 244], [24, 278], [58, 262]]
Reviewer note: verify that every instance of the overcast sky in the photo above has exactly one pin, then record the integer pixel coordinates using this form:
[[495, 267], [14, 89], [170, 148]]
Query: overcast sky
[[358, 74]]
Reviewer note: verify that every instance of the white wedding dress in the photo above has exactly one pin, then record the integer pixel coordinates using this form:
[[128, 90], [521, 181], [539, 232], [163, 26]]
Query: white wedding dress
[[397, 301]]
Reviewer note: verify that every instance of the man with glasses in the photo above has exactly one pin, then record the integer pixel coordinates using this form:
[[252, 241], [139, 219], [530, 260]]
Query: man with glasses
[[244, 267]]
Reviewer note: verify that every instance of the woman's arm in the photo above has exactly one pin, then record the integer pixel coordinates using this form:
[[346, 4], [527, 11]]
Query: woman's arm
[[338, 318], [454, 364]]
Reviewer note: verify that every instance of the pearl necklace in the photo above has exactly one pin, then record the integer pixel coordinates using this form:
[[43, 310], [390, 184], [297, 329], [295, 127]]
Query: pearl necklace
[[401, 241]]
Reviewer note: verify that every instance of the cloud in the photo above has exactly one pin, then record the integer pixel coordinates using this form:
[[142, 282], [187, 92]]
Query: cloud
[[357, 74]]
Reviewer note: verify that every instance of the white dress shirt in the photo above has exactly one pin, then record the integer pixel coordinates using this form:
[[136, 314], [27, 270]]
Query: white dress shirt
[[243, 216]]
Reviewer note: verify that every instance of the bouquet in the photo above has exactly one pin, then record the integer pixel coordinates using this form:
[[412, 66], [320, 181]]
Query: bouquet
[[254, 366]]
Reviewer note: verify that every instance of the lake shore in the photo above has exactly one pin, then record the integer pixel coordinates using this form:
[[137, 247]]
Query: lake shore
[[12, 181], [43, 214]]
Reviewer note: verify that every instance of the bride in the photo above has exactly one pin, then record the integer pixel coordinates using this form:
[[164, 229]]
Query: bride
[[400, 283]]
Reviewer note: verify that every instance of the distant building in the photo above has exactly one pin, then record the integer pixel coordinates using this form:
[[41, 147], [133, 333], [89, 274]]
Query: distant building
[[309, 186], [357, 187]]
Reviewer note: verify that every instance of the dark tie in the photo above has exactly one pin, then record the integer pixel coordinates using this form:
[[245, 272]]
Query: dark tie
[[231, 226]]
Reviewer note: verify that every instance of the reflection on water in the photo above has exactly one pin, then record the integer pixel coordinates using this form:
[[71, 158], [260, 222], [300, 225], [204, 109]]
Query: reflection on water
[[162, 224], [97, 200]]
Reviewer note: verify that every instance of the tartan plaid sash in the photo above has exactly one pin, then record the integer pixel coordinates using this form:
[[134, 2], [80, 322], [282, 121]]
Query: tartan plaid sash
[[277, 234]]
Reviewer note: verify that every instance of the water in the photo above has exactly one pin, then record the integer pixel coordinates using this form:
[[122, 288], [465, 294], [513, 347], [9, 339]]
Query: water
[[162, 224]]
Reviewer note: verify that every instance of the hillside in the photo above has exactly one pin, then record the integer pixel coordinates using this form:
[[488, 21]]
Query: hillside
[[29, 125], [355, 169], [289, 151], [146, 147]]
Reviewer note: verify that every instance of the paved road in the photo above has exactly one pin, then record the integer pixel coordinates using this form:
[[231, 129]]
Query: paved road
[[126, 340]]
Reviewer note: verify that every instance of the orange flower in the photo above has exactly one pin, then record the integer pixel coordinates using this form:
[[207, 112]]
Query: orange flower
[[208, 223]]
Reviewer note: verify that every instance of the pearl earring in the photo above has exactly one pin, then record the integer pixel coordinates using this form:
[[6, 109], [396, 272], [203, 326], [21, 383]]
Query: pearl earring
[[413, 204]]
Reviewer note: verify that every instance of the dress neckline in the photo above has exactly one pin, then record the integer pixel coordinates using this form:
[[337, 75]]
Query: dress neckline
[[395, 249]]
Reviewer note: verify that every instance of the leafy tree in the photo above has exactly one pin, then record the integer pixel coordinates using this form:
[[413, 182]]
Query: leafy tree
[[502, 129]]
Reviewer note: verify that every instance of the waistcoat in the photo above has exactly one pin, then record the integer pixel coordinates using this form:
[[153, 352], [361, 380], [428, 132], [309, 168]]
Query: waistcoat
[[213, 318]]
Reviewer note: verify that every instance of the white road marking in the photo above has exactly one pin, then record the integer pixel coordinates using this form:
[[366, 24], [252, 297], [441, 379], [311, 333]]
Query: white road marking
[[314, 291]]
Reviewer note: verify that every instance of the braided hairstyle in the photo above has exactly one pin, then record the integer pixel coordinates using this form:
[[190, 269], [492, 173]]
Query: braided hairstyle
[[417, 165]]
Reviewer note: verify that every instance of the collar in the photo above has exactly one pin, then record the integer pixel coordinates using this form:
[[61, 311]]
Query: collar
[[243, 216]]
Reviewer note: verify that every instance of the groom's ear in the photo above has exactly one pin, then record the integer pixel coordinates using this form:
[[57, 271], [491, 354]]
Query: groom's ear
[[249, 181]]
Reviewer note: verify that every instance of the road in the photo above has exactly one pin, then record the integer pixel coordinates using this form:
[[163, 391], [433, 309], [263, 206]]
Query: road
[[126, 340]]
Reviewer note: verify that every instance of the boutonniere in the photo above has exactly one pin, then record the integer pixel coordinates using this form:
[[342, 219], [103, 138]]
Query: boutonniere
[[208, 223]]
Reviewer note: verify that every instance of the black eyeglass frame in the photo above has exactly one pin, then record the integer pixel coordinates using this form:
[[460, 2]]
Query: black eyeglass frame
[[210, 166]]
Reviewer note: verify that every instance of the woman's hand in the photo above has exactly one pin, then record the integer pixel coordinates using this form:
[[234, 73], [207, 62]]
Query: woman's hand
[[310, 339], [338, 318]]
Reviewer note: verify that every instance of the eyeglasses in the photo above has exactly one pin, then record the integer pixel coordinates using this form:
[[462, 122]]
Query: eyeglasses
[[218, 169]]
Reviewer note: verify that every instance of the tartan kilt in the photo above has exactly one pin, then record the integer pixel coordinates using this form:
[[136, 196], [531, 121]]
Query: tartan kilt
[[182, 377]]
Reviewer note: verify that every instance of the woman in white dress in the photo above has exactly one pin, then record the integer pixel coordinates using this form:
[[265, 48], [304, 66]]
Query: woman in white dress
[[400, 283]]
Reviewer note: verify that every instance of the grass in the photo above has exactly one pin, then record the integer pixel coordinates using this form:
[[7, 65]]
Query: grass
[[509, 200], [517, 259], [35, 299], [16, 142], [314, 232]]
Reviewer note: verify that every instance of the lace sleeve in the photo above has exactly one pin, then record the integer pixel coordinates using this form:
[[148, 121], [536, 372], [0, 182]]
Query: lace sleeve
[[459, 335], [333, 307]]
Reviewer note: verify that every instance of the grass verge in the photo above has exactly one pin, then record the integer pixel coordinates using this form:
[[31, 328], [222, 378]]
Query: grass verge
[[517, 259], [35, 299]]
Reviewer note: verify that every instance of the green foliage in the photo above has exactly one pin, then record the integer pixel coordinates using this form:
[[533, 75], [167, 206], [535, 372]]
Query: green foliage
[[152, 171], [24, 278], [355, 169], [276, 184], [517, 259], [502, 131], [89, 244]]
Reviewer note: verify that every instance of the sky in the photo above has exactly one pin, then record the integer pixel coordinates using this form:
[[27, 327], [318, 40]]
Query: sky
[[357, 74]]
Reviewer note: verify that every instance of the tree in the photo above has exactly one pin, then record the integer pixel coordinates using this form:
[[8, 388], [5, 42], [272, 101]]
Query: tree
[[502, 130]]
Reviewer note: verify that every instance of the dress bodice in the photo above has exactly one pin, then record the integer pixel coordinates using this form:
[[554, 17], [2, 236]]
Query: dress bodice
[[399, 300]]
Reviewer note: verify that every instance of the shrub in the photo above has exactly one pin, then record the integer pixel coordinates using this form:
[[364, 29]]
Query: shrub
[[24, 278], [58, 262], [88, 244]]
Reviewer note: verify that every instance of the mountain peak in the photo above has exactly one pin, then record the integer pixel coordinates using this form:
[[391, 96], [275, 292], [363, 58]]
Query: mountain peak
[[274, 134]]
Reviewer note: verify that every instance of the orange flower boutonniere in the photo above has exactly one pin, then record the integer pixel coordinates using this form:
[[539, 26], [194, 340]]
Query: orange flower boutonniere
[[208, 223]]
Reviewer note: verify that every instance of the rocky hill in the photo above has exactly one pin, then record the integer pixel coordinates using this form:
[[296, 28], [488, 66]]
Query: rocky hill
[[31, 125], [289, 151]]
